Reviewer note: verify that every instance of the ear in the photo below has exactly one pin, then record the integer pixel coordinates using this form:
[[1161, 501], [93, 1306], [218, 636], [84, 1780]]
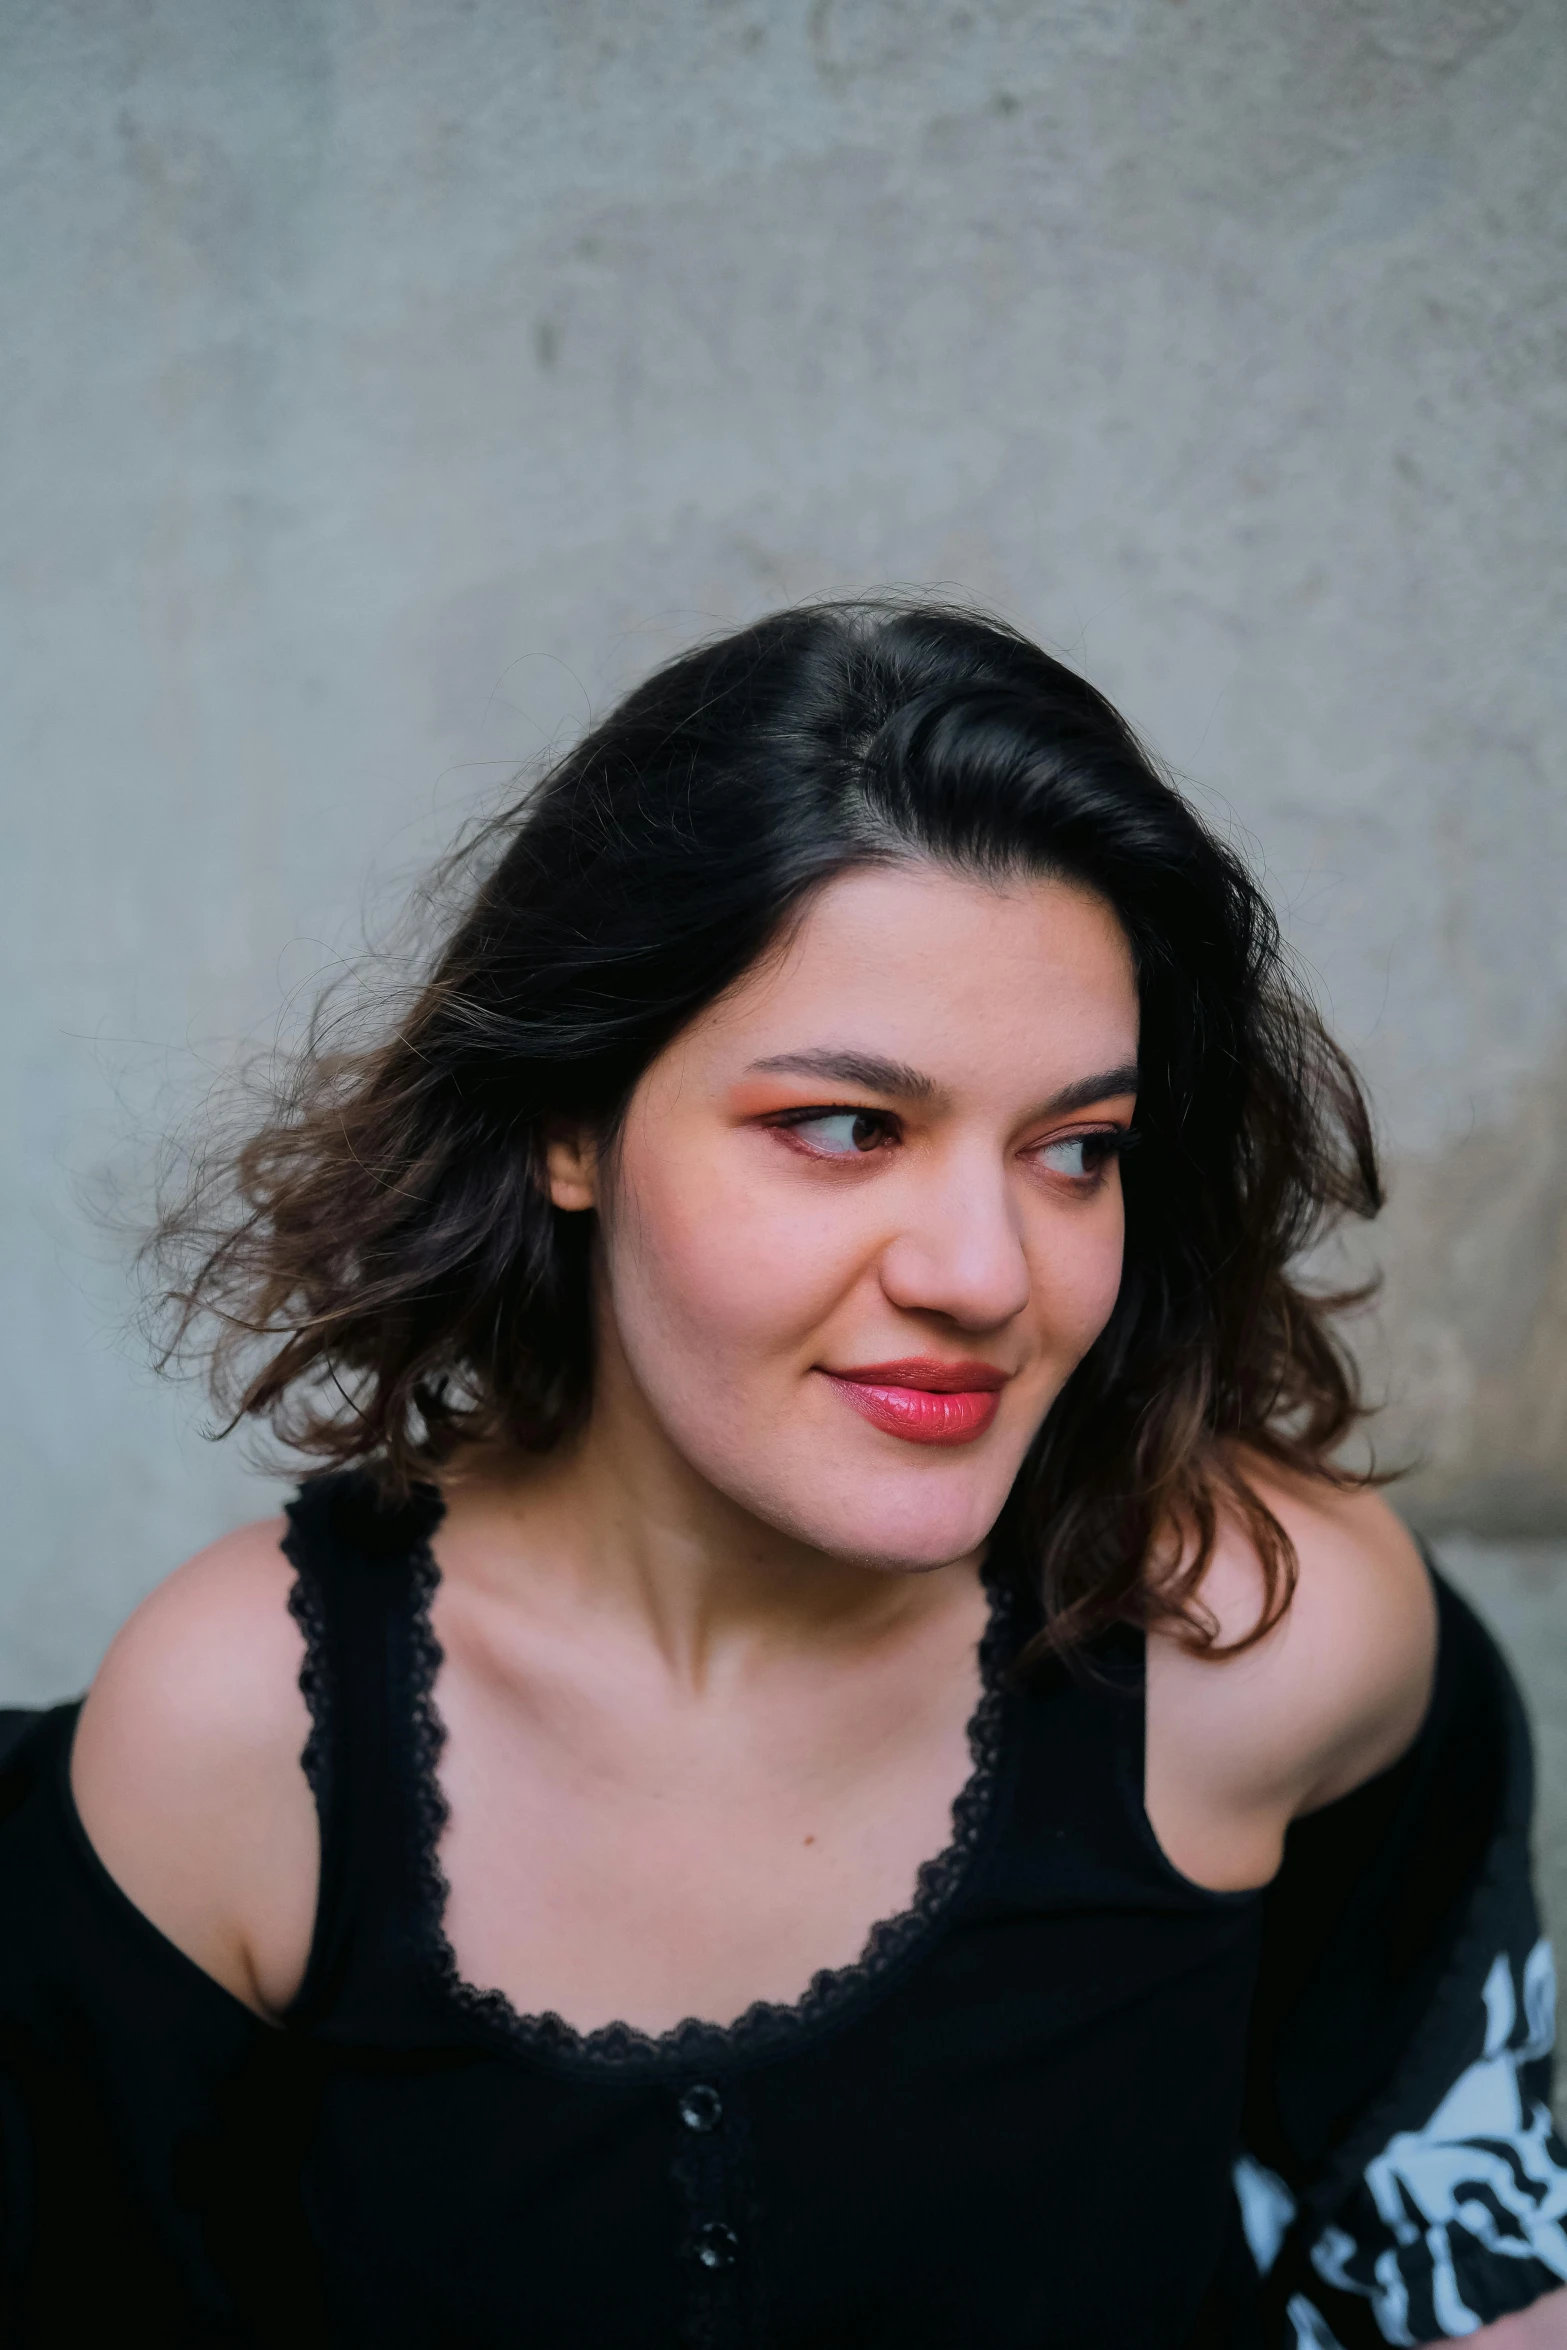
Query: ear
[[571, 1165]]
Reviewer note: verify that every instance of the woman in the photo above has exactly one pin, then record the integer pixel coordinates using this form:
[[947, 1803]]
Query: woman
[[736, 1810]]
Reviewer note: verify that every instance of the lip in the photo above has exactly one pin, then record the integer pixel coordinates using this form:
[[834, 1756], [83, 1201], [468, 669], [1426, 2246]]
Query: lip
[[922, 1400]]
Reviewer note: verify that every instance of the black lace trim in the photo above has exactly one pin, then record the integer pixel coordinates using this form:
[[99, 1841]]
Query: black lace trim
[[768, 2024], [315, 1682]]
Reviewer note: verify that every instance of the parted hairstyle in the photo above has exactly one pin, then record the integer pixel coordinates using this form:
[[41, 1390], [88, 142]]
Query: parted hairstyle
[[377, 1270]]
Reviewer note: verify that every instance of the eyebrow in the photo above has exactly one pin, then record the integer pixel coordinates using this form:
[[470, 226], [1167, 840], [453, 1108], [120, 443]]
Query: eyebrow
[[851, 1068], [912, 1085]]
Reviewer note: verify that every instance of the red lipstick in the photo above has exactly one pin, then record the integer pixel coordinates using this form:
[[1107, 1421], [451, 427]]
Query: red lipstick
[[922, 1400]]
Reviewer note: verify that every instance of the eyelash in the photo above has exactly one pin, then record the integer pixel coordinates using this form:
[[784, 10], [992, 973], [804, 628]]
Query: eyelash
[[1102, 1143], [817, 1111]]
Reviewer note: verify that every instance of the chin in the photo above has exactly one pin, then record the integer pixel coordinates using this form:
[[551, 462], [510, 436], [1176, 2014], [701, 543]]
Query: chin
[[896, 1523]]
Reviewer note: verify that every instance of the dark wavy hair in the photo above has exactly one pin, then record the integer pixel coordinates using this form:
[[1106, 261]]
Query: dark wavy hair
[[377, 1270]]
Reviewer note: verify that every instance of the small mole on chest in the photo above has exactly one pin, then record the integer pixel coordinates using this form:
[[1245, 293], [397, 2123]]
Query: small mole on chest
[[810, 1839]]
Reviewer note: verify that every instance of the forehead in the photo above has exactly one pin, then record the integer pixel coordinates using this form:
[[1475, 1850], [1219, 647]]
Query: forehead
[[951, 973]]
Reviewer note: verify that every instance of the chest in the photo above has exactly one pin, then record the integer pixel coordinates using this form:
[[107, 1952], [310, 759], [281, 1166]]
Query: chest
[[1014, 2112], [610, 1856]]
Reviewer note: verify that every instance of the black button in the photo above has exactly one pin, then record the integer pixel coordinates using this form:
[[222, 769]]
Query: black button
[[701, 2107], [715, 2246]]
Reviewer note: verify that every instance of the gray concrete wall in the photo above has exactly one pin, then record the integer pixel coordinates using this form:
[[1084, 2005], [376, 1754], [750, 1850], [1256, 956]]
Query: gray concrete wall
[[386, 382]]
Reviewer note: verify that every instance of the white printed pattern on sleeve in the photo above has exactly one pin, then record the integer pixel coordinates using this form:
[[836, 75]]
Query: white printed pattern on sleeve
[[1485, 2177], [1267, 2209]]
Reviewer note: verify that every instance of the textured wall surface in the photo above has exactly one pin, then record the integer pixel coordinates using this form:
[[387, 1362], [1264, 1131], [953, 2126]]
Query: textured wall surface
[[387, 382]]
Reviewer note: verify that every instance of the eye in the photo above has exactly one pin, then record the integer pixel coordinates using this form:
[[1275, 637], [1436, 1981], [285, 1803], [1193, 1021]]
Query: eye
[[842, 1134], [1082, 1158]]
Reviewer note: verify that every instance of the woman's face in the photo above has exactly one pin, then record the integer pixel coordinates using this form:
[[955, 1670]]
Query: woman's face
[[865, 1214]]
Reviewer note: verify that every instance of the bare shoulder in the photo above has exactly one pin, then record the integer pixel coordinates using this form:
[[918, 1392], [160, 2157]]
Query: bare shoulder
[[1327, 1699], [186, 1767], [1348, 1671]]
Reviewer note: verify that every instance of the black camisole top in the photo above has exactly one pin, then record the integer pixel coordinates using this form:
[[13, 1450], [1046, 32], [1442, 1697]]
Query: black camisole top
[[1011, 2125]]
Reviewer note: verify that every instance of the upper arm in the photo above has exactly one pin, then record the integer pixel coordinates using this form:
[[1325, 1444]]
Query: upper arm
[[186, 1771], [1334, 1693]]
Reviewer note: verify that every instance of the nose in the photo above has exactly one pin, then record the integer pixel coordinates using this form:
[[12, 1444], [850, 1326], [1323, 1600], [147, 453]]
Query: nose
[[959, 1250]]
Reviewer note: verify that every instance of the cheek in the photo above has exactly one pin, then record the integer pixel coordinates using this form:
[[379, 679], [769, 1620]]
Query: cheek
[[706, 1259], [1078, 1278]]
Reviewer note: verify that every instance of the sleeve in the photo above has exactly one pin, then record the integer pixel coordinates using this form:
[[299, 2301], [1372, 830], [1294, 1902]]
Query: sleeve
[[1405, 2182], [149, 2123], [1455, 2221]]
